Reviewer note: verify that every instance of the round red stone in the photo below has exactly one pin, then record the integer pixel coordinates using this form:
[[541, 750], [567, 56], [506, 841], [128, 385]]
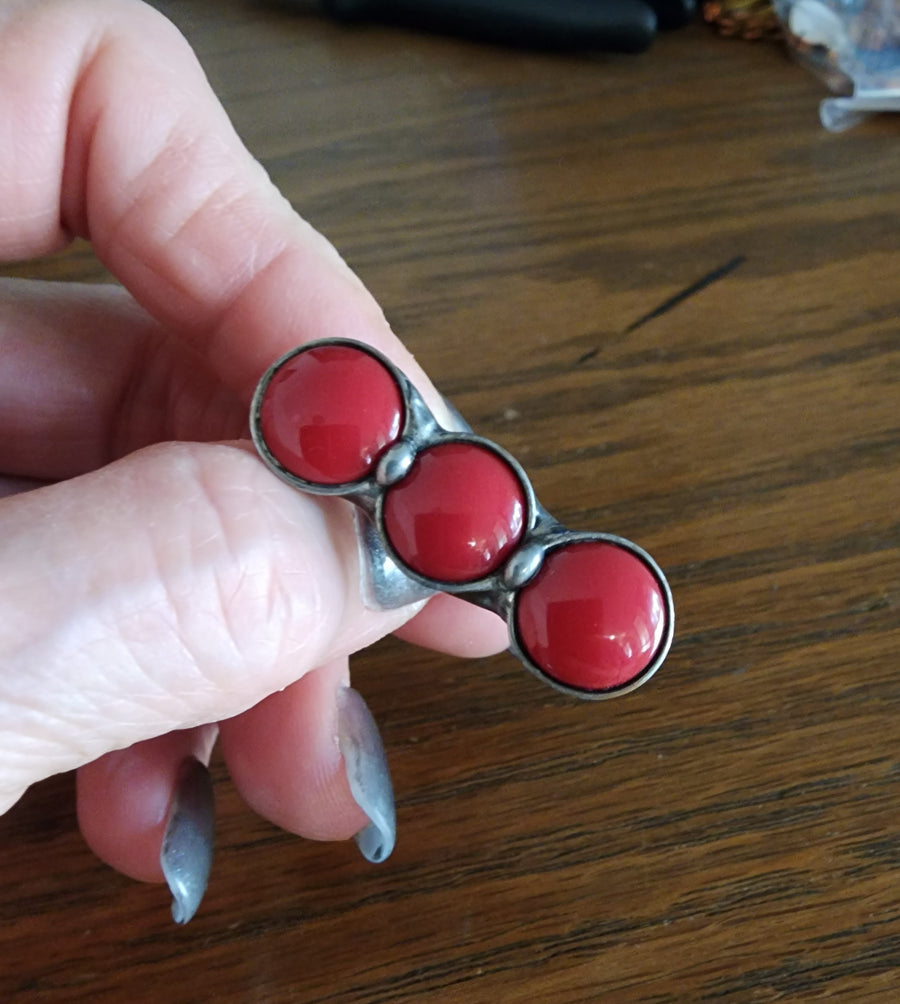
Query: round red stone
[[593, 617], [329, 413], [457, 514]]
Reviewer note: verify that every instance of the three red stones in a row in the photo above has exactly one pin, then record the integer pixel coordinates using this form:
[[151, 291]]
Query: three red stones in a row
[[590, 612]]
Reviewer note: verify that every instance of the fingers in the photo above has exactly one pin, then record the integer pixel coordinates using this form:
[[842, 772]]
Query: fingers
[[283, 755], [108, 129], [205, 586], [308, 758], [449, 624], [87, 376], [311, 759], [124, 799], [15, 486], [184, 584]]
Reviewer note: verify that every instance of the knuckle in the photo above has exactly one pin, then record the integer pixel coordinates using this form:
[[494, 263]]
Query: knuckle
[[246, 582]]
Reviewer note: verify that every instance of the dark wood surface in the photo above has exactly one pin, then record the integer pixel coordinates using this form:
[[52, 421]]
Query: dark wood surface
[[729, 832]]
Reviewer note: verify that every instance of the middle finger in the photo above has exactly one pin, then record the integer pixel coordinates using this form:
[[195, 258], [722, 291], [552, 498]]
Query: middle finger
[[88, 376]]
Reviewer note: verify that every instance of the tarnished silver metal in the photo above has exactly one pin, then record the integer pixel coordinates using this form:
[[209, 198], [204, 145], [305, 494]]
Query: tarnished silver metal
[[553, 539], [481, 591], [396, 462], [383, 583], [523, 565], [388, 583]]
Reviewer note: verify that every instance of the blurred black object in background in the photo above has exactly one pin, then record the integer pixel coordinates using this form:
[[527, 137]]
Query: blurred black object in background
[[567, 25]]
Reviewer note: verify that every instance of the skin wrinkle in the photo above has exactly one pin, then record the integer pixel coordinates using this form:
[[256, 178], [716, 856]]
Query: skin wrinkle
[[123, 405], [292, 594], [109, 631], [227, 531], [297, 591], [308, 609], [113, 383], [76, 156], [178, 145], [239, 286], [160, 402], [97, 121], [144, 191], [313, 316], [110, 720], [56, 105], [36, 730], [179, 577], [148, 637], [168, 119], [170, 369], [247, 290], [147, 655], [257, 261], [217, 199], [90, 48], [132, 636], [226, 593]]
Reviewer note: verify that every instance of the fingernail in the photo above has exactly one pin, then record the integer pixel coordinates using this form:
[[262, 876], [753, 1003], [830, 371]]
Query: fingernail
[[187, 847], [367, 774]]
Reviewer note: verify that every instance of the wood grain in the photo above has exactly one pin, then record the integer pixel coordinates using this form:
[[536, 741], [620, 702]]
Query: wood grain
[[731, 831]]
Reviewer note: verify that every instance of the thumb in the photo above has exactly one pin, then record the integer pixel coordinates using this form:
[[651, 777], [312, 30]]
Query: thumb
[[207, 585]]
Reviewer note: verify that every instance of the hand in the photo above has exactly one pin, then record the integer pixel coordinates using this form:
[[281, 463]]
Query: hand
[[162, 580]]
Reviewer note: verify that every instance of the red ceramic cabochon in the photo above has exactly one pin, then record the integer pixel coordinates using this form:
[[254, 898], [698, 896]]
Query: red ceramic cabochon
[[593, 617], [329, 412], [458, 513]]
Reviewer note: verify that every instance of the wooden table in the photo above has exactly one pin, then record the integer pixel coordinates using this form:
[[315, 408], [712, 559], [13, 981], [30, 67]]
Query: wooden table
[[668, 291]]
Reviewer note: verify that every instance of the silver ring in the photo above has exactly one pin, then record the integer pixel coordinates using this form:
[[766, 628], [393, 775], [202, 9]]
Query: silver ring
[[578, 633]]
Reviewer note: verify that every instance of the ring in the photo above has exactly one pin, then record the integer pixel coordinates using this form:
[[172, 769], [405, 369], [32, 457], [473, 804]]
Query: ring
[[449, 511]]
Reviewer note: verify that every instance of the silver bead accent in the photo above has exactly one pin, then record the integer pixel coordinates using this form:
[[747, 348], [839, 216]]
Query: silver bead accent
[[395, 463], [523, 565]]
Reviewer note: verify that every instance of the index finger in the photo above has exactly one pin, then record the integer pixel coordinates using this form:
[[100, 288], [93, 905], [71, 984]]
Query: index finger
[[109, 130]]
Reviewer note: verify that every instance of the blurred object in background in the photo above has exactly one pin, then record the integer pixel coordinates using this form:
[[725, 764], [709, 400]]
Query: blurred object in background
[[748, 19], [567, 25], [854, 47]]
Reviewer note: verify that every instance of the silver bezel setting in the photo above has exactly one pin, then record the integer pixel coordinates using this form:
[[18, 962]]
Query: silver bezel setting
[[554, 541], [390, 582]]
